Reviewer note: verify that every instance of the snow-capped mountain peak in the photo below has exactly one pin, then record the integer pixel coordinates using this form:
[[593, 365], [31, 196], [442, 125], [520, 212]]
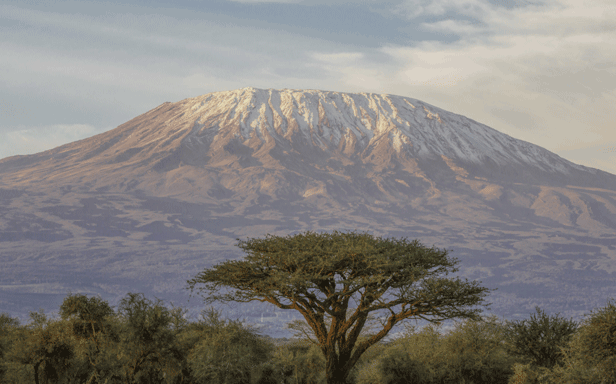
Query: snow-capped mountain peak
[[307, 131], [328, 118]]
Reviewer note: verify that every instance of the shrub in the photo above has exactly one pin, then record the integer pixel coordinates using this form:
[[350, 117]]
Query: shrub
[[227, 352], [539, 340], [473, 352], [590, 356], [299, 362]]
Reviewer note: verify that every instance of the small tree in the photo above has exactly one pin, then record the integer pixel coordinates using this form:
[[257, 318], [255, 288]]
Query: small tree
[[93, 323], [597, 341], [8, 335], [336, 280], [148, 351], [50, 348], [590, 356], [539, 340], [227, 352], [472, 352], [89, 314]]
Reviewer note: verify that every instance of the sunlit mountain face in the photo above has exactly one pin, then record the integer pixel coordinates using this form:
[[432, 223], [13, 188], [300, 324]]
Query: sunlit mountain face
[[146, 206]]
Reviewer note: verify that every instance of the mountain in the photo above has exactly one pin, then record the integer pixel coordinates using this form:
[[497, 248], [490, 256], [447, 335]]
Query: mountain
[[147, 205]]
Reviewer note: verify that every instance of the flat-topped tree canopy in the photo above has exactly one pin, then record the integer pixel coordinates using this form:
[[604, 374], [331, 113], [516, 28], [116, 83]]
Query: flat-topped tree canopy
[[335, 280]]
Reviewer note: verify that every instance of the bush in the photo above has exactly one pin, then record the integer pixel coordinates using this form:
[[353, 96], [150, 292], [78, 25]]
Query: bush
[[147, 351], [49, 350], [401, 369], [597, 342], [539, 340], [227, 352], [412, 357], [298, 362], [527, 374], [590, 357], [473, 352], [9, 336]]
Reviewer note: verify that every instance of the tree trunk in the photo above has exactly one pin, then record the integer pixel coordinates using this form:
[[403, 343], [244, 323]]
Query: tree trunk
[[336, 376], [36, 372], [334, 371]]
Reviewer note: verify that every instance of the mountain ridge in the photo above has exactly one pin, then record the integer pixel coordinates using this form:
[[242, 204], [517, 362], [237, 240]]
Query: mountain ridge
[[248, 123]]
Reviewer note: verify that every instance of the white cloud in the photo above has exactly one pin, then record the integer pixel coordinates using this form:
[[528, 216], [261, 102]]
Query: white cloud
[[543, 73]]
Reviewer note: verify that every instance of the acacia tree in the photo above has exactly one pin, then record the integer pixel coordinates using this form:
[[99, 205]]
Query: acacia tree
[[336, 280]]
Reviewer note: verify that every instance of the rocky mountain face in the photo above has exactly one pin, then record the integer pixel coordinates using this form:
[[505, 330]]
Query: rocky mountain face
[[147, 205]]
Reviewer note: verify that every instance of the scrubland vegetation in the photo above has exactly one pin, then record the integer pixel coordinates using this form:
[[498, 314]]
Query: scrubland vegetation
[[352, 290], [143, 341]]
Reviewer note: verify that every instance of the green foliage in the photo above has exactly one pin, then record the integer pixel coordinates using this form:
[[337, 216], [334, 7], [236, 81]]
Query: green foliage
[[476, 354], [95, 327], [226, 352], [590, 356], [471, 353], [401, 369], [297, 362], [51, 350], [147, 350], [146, 342], [539, 340], [597, 339], [90, 314], [8, 336], [61, 350], [322, 274], [532, 374]]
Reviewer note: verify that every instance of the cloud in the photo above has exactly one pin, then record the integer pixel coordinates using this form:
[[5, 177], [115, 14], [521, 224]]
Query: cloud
[[139, 50], [350, 71], [552, 61], [601, 156], [416, 8], [32, 140], [266, 1], [340, 58], [133, 59]]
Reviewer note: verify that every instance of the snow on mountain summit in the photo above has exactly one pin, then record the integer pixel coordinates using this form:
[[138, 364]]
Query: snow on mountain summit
[[335, 120]]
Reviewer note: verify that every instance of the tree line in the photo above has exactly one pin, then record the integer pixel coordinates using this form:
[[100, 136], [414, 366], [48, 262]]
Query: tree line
[[351, 289], [144, 341]]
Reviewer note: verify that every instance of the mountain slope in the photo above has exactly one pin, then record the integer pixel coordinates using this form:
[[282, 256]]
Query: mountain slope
[[269, 128], [146, 205]]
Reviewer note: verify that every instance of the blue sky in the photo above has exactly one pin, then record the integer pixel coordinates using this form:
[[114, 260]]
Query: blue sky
[[542, 71]]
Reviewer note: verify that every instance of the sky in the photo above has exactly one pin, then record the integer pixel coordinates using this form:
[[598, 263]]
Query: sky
[[543, 71]]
